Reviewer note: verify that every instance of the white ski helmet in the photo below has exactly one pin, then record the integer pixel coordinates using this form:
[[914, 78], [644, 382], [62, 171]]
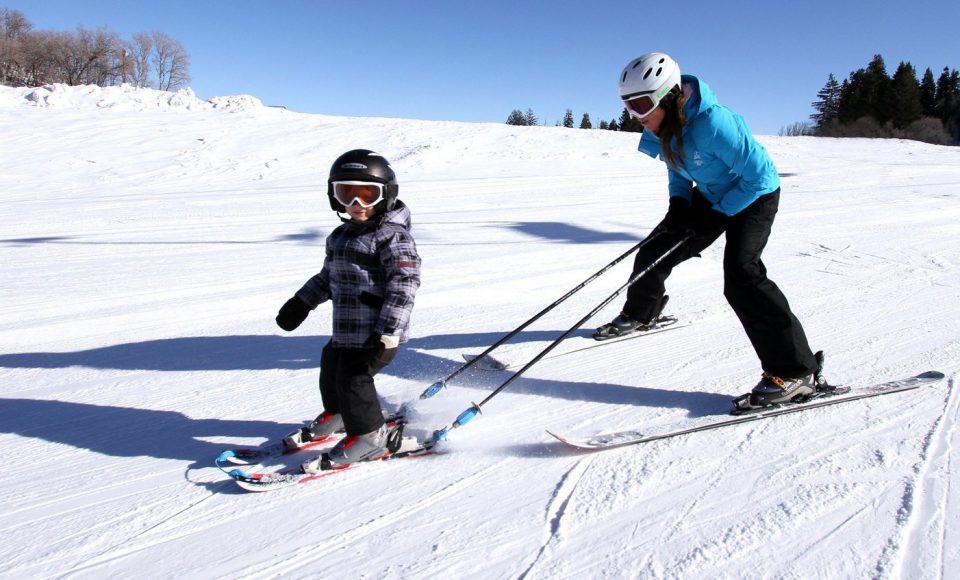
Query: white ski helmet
[[646, 80]]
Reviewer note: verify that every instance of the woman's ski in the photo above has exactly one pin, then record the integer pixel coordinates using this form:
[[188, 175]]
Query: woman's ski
[[841, 395]]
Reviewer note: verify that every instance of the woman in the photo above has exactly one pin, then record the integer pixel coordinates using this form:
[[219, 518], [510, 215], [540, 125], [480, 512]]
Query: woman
[[721, 180]]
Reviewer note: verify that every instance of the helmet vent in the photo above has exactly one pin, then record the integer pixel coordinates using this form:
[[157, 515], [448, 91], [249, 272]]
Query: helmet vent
[[659, 70], [646, 74]]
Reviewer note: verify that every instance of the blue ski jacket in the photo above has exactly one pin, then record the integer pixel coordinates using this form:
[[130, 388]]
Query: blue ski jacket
[[727, 164]]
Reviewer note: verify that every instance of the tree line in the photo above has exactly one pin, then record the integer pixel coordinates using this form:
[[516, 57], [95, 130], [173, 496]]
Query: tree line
[[625, 123], [88, 57], [870, 103]]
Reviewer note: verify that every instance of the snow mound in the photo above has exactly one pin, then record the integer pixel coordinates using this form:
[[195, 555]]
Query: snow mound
[[127, 97]]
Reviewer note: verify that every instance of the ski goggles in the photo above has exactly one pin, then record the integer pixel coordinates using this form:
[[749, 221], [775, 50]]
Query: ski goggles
[[640, 107], [366, 193]]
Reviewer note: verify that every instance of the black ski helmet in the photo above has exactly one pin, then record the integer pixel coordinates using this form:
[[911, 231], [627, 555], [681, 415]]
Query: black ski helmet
[[364, 165]]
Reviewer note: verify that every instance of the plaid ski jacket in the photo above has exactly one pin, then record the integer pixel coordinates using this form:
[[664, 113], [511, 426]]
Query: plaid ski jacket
[[371, 273]]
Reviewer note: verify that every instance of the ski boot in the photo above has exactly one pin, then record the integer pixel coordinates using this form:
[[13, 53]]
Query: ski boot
[[379, 444], [624, 324], [774, 391], [321, 428]]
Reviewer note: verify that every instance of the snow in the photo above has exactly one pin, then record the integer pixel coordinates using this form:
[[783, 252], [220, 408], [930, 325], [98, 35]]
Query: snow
[[149, 238]]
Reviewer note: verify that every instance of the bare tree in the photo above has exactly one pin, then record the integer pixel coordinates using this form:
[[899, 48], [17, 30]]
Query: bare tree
[[97, 57], [138, 59], [54, 59], [13, 23], [87, 57], [13, 28], [100, 53], [171, 62]]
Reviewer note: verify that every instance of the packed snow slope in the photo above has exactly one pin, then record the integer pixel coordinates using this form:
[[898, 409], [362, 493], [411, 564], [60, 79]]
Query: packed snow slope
[[149, 238]]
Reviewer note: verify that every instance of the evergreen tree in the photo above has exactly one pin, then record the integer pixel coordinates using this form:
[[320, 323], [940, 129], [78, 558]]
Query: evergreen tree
[[905, 97], [853, 98], [516, 118], [879, 90], [603, 125], [629, 124], [585, 122], [948, 88], [928, 94], [866, 93], [948, 102], [568, 119], [827, 106], [871, 104], [530, 118], [613, 126]]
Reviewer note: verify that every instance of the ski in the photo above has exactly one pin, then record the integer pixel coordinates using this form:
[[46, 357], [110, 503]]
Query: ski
[[841, 395], [255, 455], [493, 363], [269, 481]]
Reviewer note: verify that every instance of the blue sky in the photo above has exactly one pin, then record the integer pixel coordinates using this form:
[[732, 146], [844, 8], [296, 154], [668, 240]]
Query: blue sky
[[477, 61]]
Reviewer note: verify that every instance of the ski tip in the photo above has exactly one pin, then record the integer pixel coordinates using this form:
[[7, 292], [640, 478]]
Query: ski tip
[[931, 375], [240, 474], [225, 456], [557, 437]]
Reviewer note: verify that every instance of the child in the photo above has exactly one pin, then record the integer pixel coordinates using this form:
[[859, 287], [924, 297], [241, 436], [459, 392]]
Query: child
[[371, 273]]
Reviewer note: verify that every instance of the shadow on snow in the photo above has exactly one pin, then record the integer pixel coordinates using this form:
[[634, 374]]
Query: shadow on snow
[[128, 432]]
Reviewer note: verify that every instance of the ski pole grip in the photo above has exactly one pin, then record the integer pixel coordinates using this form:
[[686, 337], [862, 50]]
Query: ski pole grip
[[467, 415], [433, 390]]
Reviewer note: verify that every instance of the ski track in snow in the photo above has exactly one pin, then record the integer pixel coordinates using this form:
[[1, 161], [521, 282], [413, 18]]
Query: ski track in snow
[[120, 550], [302, 557], [677, 521], [930, 502], [556, 509]]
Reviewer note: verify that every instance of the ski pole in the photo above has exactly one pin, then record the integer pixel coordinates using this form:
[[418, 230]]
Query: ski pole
[[468, 415], [437, 386]]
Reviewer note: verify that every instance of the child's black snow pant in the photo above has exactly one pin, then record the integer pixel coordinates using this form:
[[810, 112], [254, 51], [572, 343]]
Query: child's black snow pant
[[347, 387]]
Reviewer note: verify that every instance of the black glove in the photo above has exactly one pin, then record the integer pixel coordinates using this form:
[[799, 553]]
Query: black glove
[[677, 218], [382, 354], [292, 313]]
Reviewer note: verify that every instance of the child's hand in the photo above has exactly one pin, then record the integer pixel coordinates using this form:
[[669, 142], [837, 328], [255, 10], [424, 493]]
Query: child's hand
[[292, 313], [384, 349]]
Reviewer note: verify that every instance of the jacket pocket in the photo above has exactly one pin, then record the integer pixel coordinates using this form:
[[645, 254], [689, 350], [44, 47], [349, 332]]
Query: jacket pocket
[[371, 300]]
